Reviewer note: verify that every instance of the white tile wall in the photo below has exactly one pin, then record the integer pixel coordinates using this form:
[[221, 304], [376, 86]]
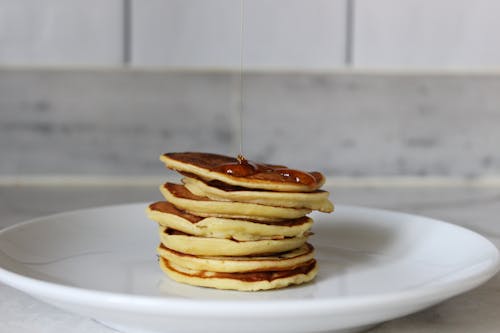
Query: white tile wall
[[278, 33], [185, 33], [415, 33], [295, 33], [100, 122], [55, 32]]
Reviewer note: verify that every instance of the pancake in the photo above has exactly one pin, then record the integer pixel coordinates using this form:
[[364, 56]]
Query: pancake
[[275, 262], [250, 281], [240, 172], [167, 215], [189, 244], [182, 198], [215, 190], [236, 224]]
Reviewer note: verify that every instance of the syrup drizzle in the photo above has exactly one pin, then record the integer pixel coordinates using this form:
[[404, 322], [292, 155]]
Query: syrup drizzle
[[244, 168], [241, 96]]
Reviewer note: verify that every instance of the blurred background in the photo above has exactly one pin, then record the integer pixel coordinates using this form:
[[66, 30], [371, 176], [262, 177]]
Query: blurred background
[[354, 88]]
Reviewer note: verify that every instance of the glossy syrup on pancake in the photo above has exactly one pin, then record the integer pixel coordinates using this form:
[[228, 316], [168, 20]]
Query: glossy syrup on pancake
[[242, 168], [245, 168]]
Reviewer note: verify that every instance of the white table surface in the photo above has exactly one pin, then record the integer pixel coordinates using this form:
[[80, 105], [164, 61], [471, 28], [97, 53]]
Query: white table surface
[[475, 207]]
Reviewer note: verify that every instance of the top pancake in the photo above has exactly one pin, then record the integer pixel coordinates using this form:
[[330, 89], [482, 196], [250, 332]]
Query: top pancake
[[247, 174]]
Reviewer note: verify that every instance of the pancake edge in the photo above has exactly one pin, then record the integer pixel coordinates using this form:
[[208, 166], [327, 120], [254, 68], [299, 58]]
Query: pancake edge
[[239, 264], [235, 284], [226, 247], [227, 209]]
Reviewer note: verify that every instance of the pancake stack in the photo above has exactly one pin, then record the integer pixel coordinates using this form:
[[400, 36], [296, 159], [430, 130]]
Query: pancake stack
[[236, 224]]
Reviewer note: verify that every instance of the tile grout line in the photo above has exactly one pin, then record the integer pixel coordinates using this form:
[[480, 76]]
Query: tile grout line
[[349, 33], [126, 33]]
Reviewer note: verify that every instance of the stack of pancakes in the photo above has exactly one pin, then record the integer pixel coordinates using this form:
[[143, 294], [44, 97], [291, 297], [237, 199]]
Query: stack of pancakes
[[235, 224]]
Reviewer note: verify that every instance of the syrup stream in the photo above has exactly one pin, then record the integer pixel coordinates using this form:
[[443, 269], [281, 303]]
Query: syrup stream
[[241, 104]]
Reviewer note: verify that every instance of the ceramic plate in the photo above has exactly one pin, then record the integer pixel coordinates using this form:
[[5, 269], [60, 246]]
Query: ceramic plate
[[375, 265]]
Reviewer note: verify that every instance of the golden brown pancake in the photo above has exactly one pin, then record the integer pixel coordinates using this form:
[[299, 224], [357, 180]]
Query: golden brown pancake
[[250, 281], [203, 246], [279, 261], [167, 215], [244, 173], [215, 190], [180, 196]]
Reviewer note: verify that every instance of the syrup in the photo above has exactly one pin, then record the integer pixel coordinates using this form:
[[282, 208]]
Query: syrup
[[241, 167], [245, 168], [241, 90]]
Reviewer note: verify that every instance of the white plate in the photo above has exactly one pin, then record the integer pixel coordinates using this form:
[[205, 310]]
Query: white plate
[[374, 265]]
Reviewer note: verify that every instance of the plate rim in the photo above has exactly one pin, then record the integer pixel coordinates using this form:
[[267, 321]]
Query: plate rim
[[162, 305]]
